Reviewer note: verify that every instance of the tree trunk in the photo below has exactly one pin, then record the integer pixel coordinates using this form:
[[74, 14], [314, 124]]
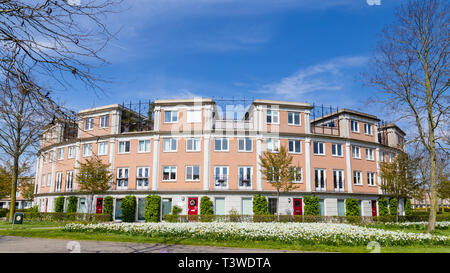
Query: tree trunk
[[278, 205], [433, 186], [12, 207]]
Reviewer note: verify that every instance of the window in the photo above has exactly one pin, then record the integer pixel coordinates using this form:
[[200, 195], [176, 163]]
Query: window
[[367, 128], [60, 153], [43, 180], [87, 149], [369, 154], [193, 145], [382, 156], [124, 147], [293, 118], [89, 124], [104, 121], [294, 146], [272, 117], [169, 173], [122, 178], [52, 156], [272, 145], [103, 148], [221, 177], [356, 152], [44, 157], [193, 173], [142, 178], [170, 145], [297, 175], [245, 177], [354, 126], [58, 181], [170, 116], [194, 116], [245, 144], [71, 152], [144, 146], [319, 148], [336, 149], [69, 180], [320, 179], [221, 144], [390, 157], [338, 180], [272, 206], [371, 179], [357, 178], [49, 179]]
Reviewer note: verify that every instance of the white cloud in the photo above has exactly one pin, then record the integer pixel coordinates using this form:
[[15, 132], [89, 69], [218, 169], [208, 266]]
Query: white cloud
[[328, 76]]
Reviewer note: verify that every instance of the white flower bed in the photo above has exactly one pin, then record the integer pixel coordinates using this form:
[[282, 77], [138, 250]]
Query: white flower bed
[[312, 233], [442, 225]]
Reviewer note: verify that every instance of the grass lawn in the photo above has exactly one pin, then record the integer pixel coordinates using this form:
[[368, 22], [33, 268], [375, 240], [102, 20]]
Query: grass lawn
[[31, 224], [440, 232], [34, 231]]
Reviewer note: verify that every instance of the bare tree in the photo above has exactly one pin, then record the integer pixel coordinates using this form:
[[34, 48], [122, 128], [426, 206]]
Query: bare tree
[[410, 68]]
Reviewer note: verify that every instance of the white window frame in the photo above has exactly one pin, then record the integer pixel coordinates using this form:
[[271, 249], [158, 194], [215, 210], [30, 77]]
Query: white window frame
[[147, 148], [246, 141], [294, 146], [60, 153], [339, 186], [222, 140], [334, 146], [194, 116], [172, 169], [221, 176], [273, 114], [370, 178], [369, 151], [173, 118], [69, 180], [88, 124], [43, 180], [196, 144], [354, 126], [58, 181], [122, 178], [49, 179], [52, 156], [104, 121], [356, 152], [272, 145], [293, 114], [192, 167], [143, 176], [318, 147], [368, 129], [300, 171], [357, 178], [245, 175], [87, 152], [71, 152], [105, 151], [172, 141], [320, 175], [124, 145]]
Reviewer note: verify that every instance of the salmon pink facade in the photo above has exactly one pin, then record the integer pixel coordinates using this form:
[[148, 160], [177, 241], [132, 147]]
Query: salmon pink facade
[[185, 150]]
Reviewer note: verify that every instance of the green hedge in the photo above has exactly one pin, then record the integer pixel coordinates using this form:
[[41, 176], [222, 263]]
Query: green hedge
[[408, 207], [393, 206], [260, 206], [108, 206], [206, 206], [176, 210], [311, 205], [72, 203], [383, 207], [352, 207], [65, 217], [59, 204], [3, 212], [129, 208], [152, 208]]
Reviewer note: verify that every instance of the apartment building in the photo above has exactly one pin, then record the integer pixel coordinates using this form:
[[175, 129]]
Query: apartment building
[[187, 149]]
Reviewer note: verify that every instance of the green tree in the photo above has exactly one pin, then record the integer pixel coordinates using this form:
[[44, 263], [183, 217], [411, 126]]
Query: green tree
[[260, 206], [93, 178], [206, 206], [108, 206], [72, 203], [129, 208], [59, 204], [383, 206], [311, 205], [277, 169], [152, 208], [352, 207]]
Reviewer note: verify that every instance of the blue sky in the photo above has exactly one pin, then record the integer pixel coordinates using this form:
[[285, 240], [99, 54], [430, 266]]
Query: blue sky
[[295, 50]]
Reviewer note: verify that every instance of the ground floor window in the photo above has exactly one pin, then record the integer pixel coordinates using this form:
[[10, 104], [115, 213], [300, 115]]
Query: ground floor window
[[141, 209], [166, 206], [118, 214], [341, 207], [219, 206], [321, 207], [273, 205], [246, 206]]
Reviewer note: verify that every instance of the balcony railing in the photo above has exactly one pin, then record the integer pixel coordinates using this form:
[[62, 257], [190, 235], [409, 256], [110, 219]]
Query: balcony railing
[[325, 130], [233, 125]]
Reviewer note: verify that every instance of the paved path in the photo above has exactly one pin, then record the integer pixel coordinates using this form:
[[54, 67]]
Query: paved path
[[18, 244]]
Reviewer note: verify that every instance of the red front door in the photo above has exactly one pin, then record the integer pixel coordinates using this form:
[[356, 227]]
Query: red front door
[[297, 206], [99, 207], [374, 208], [46, 204], [192, 205]]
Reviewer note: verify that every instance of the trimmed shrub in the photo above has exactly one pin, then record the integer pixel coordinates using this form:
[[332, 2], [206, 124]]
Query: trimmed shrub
[[393, 206], [352, 207], [176, 210], [108, 206], [59, 204], [260, 206], [129, 208], [206, 206], [383, 207], [152, 208], [311, 205], [3, 212], [72, 203], [408, 207]]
